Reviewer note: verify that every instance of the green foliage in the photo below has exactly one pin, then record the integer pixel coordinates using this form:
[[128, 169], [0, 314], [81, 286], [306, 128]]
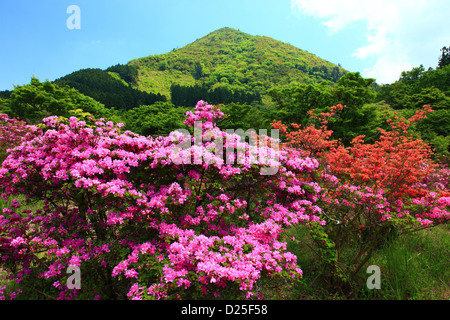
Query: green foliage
[[325, 247], [3, 105], [417, 88], [444, 60], [354, 91], [5, 94], [294, 101], [187, 96], [160, 118], [354, 122], [112, 92], [128, 73], [435, 129], [414, 266], [198, 70], [243, 116], [38, 100]]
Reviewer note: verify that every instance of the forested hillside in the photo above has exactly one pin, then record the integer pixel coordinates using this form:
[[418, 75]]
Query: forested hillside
[[110, 87]]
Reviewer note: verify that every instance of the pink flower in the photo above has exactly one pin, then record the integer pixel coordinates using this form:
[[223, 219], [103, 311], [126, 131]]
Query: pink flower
[[131, 273], [75, 261], [62, 251], [18, 241], [119, 268]]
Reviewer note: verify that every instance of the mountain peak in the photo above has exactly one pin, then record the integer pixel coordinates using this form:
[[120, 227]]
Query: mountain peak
[[226, 29], [231, 57], [225, 35]]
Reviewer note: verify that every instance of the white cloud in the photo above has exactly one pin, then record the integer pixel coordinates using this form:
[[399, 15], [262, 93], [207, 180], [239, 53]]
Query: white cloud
[[401, 34]]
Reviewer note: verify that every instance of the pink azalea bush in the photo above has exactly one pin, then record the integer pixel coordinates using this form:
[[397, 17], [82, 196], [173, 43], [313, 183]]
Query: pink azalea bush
[[12, 131], [143, 219]]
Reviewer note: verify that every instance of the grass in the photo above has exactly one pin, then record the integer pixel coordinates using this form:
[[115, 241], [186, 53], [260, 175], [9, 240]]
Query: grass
[[417, 266], [413, 266]]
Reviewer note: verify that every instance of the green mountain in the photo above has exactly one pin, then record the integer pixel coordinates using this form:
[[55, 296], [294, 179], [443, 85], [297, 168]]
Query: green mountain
[[234, 60]]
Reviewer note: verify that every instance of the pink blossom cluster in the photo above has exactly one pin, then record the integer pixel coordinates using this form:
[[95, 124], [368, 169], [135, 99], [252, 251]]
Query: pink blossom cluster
[[368, 207], [122, 208], [12, 132], [204, 113], [239, 258], [11, 294]]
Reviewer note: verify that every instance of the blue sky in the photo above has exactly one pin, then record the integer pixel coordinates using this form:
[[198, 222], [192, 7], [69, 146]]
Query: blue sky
[[379, 39]]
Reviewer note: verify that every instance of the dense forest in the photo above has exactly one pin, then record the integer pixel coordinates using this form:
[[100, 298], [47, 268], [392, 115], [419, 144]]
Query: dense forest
[[110, 87], [189, 95]]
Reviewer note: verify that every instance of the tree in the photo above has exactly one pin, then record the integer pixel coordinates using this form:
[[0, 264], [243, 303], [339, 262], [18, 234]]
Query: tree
[[419, 87], [5, 94], [198, 70], [127, 72], [3, 105], [160, 118], [444, 60], [242, 116], [295, 100], [352, 90], [38, 100], [221, 94]]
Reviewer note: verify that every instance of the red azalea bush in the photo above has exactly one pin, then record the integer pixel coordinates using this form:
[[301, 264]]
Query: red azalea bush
[[141, 218], [396, 163], [370, 191]]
